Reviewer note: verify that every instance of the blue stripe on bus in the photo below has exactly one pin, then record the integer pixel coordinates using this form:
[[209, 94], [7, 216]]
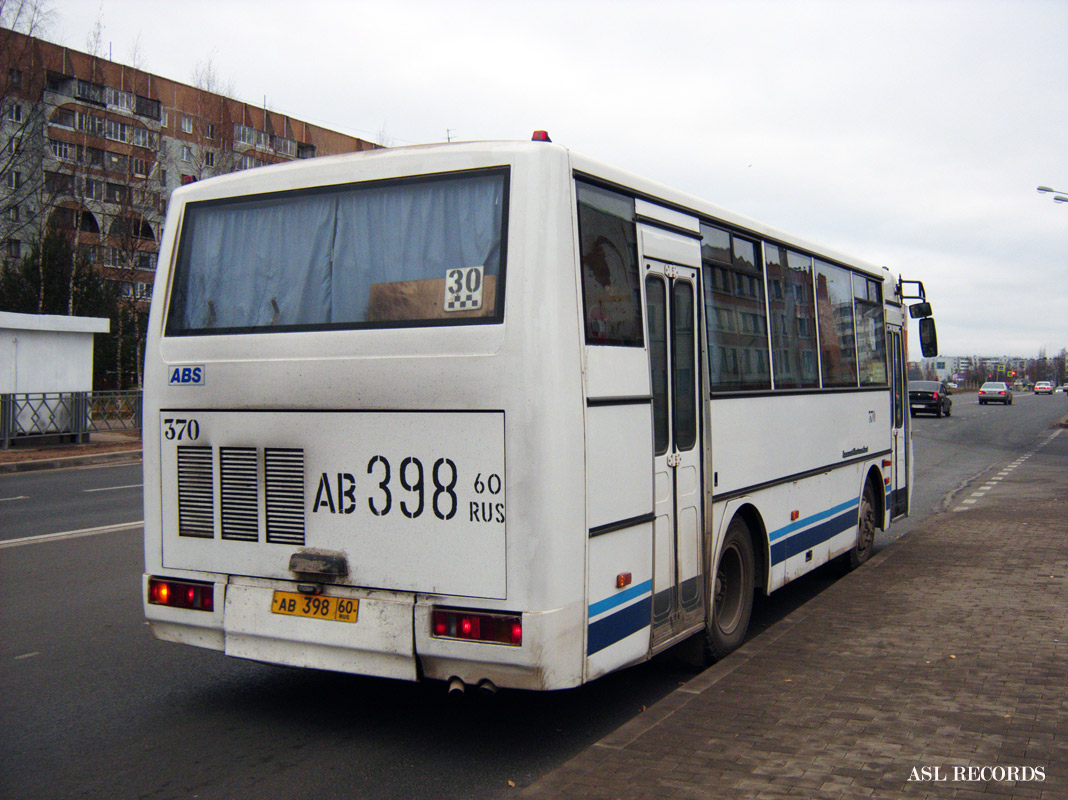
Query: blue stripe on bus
[[814, 536], [619, 599], [618, 626], [804, 523]]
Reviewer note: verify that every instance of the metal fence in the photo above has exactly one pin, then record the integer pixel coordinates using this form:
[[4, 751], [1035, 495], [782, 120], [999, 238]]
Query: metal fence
[[67, 414]]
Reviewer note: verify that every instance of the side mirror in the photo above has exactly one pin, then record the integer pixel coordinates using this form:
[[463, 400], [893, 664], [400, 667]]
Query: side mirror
[[919, 311], [928, 337]]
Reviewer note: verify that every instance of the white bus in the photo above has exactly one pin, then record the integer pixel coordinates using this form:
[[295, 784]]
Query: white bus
[[498, 414]]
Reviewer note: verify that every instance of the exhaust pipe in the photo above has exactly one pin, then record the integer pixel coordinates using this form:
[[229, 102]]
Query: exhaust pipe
[[487, 687], [456, 686]]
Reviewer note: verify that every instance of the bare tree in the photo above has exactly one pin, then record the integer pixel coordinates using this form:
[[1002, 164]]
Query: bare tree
[[21, 120], [205, 131]]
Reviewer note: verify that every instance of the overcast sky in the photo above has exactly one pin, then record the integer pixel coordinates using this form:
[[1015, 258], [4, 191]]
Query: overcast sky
[[909, 134]]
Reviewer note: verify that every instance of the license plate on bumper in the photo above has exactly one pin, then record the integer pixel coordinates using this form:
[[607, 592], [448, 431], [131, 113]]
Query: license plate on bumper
[[336, 609]]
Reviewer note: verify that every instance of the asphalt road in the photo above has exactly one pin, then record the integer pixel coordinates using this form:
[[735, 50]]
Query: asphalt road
[[93, 707]]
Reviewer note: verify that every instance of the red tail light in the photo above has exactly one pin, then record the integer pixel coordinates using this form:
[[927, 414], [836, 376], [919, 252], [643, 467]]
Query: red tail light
[[181, 594], [477, 626], [935, 395]]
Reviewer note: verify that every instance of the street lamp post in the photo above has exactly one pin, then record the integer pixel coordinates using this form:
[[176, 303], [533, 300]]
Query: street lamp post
[[1058, 195]]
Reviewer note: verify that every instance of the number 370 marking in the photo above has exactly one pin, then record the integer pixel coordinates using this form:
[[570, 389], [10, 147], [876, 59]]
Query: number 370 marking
[[179, 429]]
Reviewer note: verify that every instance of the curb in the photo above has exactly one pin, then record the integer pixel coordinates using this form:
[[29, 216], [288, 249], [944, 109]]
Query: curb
[[34, 465]]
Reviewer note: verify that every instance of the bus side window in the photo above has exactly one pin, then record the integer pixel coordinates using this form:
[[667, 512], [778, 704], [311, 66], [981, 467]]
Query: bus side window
[[608, 243]]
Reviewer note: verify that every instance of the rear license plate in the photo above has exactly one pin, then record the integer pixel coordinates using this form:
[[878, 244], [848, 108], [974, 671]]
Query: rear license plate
[[338, 609]]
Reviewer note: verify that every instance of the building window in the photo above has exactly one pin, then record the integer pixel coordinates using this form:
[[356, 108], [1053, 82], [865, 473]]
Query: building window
[[187, 125], [244, 134], [14, 113], [61, 150], [94, 189], [92, 92], [163, 118], [117, 131], [14, 248], [139, 166], [142, 137], [123, 100], [63, 117], [14, 180], [13, 213], [286, 146], [209, 159], [187, 153], [147, 108], [14, 78], [115, 193], [210, 131], [90, 123], [116, 162]]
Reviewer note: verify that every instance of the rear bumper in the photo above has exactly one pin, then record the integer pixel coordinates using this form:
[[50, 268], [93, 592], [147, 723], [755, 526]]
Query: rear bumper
[[379, 643], [390, 638], [930, 406]]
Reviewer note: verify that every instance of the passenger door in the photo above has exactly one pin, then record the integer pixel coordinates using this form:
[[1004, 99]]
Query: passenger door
[[672, 322], [899, 398]]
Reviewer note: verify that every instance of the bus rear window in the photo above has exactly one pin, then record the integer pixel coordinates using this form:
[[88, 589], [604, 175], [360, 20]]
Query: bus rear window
[[425, 251]]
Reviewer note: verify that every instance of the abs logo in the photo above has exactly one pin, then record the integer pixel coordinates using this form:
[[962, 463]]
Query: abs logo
[[190, 375]]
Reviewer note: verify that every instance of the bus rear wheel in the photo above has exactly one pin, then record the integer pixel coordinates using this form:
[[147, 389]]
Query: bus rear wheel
[[732, 593], [865, 545]]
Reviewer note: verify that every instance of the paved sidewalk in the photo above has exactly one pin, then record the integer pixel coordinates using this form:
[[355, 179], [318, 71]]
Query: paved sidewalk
[[101, 448], [937, 670]]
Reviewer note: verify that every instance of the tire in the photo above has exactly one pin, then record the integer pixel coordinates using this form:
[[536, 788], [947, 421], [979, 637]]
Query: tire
[[865, 545], [949, 409], [732, 593], [938, 412]]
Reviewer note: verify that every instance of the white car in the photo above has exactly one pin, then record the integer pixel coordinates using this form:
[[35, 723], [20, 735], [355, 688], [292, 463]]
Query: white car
[[1043, 387]]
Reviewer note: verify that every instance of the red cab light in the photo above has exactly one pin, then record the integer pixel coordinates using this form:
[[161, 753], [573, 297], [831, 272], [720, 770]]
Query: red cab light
[[540, 136], [447, 623], [181, 594]]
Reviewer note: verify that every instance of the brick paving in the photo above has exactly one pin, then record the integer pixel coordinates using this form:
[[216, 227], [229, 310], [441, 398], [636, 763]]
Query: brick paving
[[949, 649]]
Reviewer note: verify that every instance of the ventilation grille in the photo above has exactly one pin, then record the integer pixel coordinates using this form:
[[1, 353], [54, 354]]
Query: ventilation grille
[[284, 484], [238, 492], [195, 479]]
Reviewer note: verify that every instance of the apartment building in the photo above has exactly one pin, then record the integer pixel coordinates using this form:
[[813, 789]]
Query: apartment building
[[94, 148]]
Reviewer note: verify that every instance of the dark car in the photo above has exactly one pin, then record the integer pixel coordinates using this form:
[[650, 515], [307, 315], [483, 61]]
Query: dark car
[[929, 397], [995, 392]]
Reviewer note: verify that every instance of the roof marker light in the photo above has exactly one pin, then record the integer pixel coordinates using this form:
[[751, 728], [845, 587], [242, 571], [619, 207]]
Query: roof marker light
[[540, 136]]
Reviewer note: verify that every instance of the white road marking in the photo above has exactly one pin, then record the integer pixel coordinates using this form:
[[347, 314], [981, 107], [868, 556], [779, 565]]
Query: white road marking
[[53, 537]]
